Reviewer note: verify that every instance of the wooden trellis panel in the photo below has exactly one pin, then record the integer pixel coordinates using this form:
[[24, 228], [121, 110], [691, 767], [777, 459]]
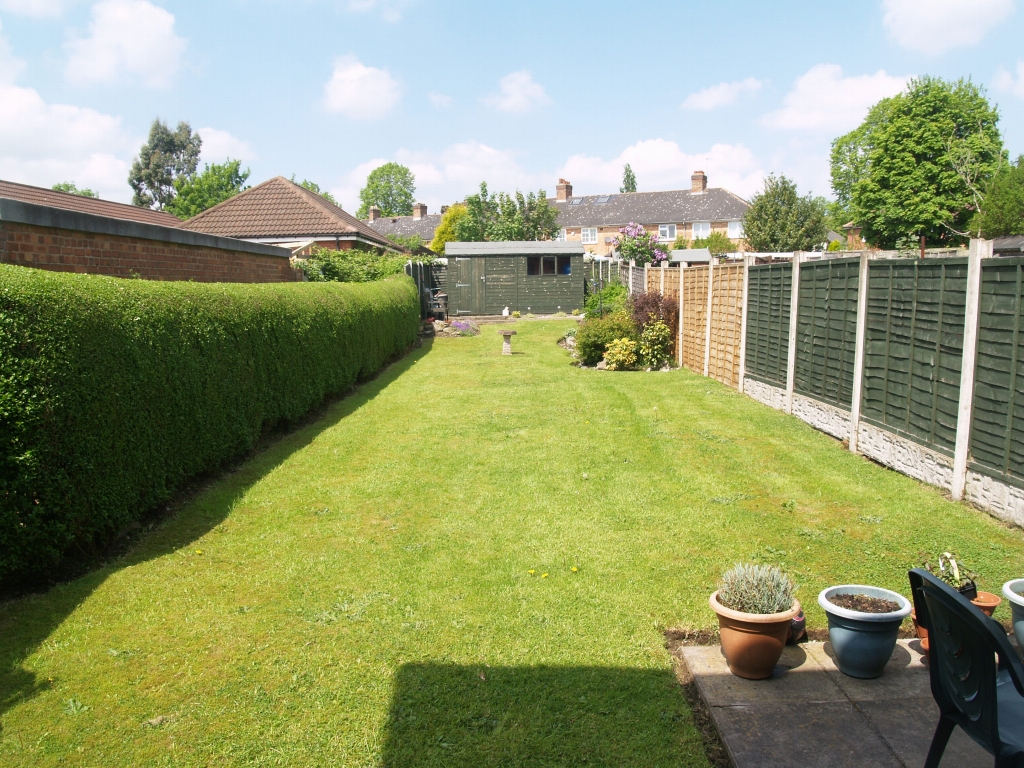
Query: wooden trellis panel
[[726, 324], [695, 312]]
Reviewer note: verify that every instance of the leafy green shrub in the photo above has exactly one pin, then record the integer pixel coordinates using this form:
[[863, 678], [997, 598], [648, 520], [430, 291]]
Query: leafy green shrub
[[517, 314], [595, 333], [717, 242], [756, 589], [114, 392], [620, 354], [655, 342], [612, 297], [355, 266]]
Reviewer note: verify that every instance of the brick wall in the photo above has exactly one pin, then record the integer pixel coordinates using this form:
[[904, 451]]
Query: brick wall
[[65, 250], [63, 240]]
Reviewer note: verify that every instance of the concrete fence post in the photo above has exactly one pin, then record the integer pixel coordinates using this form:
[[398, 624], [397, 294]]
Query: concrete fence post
[[647, 280], [980, 249], [748, 261], [631, 265], [707, 320], [794, 302], [858, 358], [679, 346], [663, 280]]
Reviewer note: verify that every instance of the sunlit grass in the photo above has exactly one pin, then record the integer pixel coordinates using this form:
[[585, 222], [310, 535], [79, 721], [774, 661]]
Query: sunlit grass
[[471, 561]]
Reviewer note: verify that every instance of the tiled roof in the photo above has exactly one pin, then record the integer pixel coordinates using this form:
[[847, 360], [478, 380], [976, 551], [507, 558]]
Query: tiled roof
[[281, 208], [41, 196], [672, 207], [406, 226]]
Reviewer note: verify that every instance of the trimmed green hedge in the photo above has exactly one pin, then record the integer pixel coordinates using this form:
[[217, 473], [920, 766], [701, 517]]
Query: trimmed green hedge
[[114, 392]]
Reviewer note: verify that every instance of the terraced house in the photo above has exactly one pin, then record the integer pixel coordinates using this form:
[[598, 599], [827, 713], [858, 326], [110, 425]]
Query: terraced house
[[693, 213], [594, 220]]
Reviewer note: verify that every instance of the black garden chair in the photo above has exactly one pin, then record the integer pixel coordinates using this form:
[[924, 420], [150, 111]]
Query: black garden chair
[[983, 696]]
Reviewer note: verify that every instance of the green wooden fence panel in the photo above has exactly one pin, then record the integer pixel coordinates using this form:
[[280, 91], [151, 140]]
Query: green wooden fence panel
[[914, 348], [826, 340], [769, 290], [997, 427]]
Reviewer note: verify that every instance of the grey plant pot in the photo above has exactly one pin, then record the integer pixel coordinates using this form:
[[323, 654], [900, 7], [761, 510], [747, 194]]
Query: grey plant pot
[[863, 642], [1011, 591]]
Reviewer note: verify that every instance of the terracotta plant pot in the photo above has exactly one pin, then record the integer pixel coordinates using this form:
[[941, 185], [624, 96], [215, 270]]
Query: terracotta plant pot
[[753, 642], [987, 602], [922, 633]]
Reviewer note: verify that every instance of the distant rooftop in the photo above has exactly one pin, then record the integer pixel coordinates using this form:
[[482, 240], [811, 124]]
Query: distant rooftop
[[514, 248], [42, 196]]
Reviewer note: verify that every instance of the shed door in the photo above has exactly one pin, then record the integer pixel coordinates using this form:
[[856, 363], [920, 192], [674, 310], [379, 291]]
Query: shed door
[[479, 288], [462, 291]]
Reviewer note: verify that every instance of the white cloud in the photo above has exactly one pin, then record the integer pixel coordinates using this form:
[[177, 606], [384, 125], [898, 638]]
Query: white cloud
[[43, 144], [448, 176], [439, 100], [36, 8], [360, 92], [519, 93], [10, 65], [1005, 81], [219, 146], [132, 37], [390, 10], [936, 26], [660, 165], [721, 95], [824, 100]]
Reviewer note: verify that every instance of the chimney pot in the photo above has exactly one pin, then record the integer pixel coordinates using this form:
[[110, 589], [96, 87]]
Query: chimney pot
[[698, 182], [563, 191], [375, 213]]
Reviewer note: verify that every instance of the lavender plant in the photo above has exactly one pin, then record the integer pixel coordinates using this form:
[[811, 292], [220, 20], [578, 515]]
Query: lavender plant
[[756, 589], [635, 243]]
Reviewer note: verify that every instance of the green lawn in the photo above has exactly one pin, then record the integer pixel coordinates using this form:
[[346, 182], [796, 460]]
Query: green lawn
[[469, 562]]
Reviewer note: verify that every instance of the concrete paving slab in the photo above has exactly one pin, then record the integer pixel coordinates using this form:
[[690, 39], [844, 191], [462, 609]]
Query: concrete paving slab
[[810, 714], [799, 677], [907, 727], [827, 734], [905, 675]]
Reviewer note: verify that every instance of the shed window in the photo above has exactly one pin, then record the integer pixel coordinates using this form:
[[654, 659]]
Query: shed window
[[588, 235], [666, 232], [564, 265], [549, 265], [533, 265]]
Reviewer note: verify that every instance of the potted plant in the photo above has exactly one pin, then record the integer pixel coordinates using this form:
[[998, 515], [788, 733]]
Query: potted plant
[[964, 581], [1014, 591], [755, 607], [863, 623]]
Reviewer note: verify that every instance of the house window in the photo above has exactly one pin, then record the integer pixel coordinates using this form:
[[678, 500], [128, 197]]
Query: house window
[[549, 265], [533, 265], [564, 265], [560, 237], [735, 230], [701, 229], [588, 235], [666, 232]]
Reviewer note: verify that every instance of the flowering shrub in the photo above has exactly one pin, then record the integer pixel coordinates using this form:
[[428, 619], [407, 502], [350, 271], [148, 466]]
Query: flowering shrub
[[620, 355], [655, 341], [635, 243]]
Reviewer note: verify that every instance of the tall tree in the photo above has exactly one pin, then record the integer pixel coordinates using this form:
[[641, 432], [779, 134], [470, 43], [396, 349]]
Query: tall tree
[[217, 183], [780, 220], [313, 187], [391, 188], [1002, 212], [447, 230], [628, 179], [165, 156], [916, 165], [72, 189], [507, 217]]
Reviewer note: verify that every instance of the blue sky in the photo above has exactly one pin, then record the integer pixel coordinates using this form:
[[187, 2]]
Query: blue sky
[[517, 94]]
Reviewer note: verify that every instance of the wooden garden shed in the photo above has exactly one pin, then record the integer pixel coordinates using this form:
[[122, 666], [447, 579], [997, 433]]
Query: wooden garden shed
[[542, 277]]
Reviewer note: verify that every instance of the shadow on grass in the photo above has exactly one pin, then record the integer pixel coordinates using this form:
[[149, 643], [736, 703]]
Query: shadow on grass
[[455, 716], [27, 622]]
